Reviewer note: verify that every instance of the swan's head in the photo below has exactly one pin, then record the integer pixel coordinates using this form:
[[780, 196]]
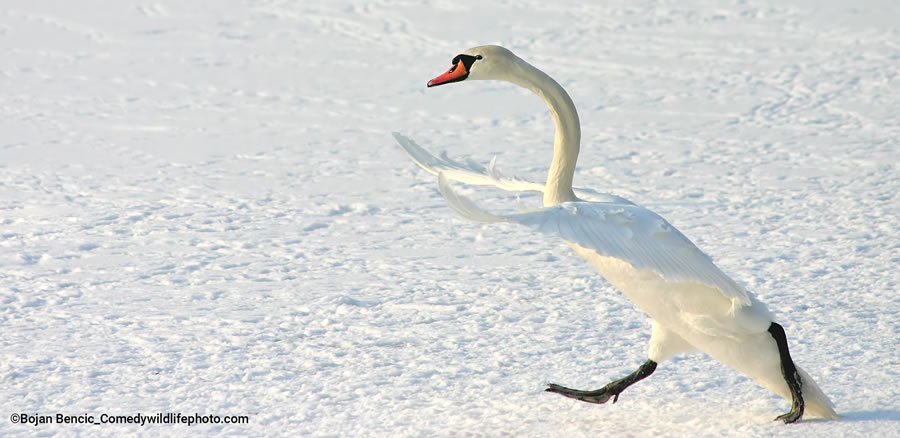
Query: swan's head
[[478, 63]]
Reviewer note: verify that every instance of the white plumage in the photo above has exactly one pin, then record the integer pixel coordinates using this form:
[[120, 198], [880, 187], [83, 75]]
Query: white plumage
[[693, 304], [475, 174]]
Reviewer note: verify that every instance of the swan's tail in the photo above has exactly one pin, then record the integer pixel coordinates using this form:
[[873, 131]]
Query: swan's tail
[[817, 402]]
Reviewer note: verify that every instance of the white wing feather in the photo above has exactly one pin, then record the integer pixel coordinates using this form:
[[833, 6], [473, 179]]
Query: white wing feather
[[630, 233], [472, 173]]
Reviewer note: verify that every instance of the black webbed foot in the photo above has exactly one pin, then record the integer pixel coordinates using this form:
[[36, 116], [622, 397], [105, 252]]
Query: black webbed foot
[[611, 390], [791, 416], [598, 396]]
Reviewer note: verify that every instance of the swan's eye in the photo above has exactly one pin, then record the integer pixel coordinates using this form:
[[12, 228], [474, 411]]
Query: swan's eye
[[459, 70], [467, 60]]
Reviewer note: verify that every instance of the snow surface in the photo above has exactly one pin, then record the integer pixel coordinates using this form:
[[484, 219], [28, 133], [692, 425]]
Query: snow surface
[[203, 210]]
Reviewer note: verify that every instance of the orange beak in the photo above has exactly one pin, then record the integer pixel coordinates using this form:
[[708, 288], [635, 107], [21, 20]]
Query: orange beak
[[456, 73]]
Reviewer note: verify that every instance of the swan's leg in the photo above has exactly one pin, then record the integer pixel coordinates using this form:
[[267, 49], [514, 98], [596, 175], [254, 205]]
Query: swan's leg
[[611, 390], [791, 376]]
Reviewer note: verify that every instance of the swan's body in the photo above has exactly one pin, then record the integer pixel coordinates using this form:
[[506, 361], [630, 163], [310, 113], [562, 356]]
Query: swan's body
[[693, 304]]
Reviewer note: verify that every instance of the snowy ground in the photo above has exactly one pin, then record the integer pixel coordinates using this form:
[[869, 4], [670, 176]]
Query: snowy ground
[[202, 211]]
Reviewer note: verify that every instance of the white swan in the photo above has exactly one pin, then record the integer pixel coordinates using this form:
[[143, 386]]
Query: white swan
[[693, 304]]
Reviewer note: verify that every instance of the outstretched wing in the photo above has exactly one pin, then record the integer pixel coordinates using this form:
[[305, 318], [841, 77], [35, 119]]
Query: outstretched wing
[[475, 174], [627, 232]]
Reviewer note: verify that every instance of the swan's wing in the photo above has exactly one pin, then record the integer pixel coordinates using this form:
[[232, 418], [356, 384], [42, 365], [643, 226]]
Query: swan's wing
[[469, 173], [594, 196], [473, 173], [630, 233]]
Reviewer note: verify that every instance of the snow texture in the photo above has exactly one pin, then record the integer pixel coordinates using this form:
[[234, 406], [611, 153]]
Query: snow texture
[[202, 209]]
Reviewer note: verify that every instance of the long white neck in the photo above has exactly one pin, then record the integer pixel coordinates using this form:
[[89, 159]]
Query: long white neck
[[568, 131]]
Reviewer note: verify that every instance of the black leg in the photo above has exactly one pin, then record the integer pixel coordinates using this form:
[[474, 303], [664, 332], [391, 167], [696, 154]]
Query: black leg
[[611, 390], [791, 376]]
